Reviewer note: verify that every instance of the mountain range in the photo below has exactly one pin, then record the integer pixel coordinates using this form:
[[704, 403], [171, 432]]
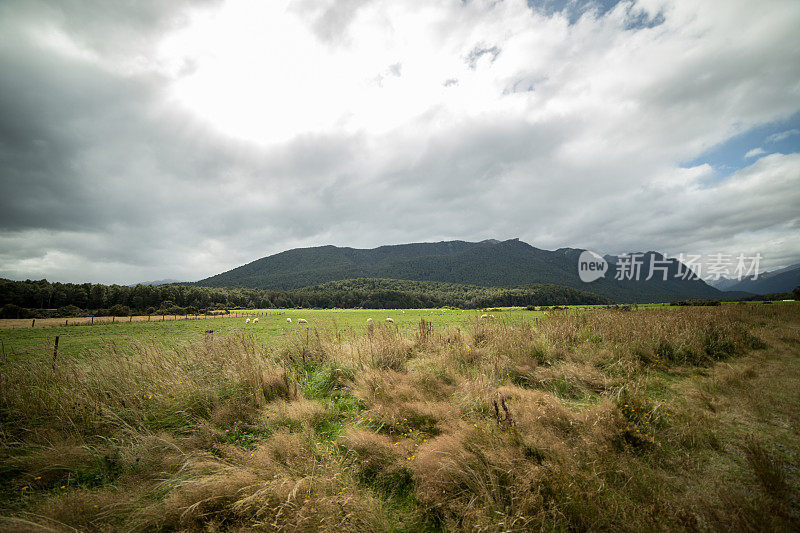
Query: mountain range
[[776, 281], [488, 263]]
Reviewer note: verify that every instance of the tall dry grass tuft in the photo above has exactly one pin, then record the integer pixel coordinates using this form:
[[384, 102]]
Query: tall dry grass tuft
[[152, 390], [287, 483], [479, 478]]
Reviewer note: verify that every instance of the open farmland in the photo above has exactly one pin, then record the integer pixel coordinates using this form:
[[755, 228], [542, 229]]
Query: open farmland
[[679, 418], [80, 336]]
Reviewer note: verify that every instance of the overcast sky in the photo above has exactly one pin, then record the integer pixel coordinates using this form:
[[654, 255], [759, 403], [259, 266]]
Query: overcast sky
[[178, 139]]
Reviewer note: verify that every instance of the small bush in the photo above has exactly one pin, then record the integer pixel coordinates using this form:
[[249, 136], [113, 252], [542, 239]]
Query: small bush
[[119, 310], [696, 303]]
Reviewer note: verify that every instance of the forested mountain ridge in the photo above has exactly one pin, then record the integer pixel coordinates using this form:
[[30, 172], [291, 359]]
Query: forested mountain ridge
[[487, 263]]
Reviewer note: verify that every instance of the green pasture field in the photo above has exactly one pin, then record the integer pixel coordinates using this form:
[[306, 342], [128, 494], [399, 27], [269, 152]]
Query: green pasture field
[[271, 330]]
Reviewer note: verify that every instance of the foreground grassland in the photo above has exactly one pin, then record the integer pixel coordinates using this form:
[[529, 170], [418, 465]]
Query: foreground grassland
[[659, 419]]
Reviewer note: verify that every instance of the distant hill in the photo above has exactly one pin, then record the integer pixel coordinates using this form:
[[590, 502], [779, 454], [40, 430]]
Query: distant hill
[[488, 263], [722, 283], [157, 282], [777, 281]]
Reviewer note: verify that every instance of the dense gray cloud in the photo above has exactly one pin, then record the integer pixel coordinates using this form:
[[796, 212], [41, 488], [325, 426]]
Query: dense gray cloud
[[180, 139]]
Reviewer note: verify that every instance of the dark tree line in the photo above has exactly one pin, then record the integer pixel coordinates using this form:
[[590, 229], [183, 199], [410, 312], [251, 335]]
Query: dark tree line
[[397, 294], [22, 299], [774, 296], [684, 303], [62, 299]]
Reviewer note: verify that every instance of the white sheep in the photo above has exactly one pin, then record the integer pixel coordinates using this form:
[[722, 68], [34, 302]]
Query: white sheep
[[255, 321], [491, 316], [289, 320], [247, 321], [390, 320], [404, 312], [484, 316], [302, 321], [369, 321]]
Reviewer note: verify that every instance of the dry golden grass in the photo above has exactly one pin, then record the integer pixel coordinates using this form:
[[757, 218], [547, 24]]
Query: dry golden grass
[[651, 420]]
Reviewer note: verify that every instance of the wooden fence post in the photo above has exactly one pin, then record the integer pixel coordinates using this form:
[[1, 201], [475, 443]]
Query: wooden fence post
[[33, 324], [92, 321], [55, 354]]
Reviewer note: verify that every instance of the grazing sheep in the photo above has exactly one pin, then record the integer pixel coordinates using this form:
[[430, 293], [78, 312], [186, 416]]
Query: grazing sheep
[[369, 321], [491, 316], [255, 321], [390, 320], [404, 312], [484, 316], [289, 320], [302, 321], [247, 321]]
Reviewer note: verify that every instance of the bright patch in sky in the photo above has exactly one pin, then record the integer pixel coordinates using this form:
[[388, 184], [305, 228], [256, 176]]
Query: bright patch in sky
[[259, 72]]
